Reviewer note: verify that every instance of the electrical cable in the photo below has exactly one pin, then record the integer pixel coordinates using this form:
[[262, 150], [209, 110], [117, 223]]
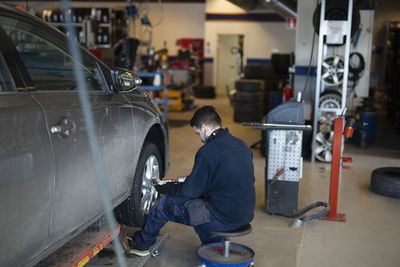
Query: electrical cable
[[310, 217], [161, 17], [311, 57], [304, 210]]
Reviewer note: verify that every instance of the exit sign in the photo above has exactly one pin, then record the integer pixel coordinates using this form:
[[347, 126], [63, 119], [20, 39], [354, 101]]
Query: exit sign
[[291, 23]]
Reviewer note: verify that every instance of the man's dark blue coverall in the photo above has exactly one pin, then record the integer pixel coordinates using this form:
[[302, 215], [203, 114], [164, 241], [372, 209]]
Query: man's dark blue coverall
[[218, 195]]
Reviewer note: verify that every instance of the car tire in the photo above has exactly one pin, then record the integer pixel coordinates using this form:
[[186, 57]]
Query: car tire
[[257, 107], [337, 10], [281, 63], [386, 181], [249, 85], [244, 116], [259, 72], [330, 99], [133, 211], [249, 97]]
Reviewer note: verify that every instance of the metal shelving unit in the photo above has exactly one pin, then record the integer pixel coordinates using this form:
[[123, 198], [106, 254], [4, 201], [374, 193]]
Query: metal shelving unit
[[325, 29], [102, 38]]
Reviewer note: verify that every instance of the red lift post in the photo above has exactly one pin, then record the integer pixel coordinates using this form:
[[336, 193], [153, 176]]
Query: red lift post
[[337, 160]]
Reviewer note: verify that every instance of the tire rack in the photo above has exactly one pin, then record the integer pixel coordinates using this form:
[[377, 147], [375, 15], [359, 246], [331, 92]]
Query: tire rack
[[322, 53]]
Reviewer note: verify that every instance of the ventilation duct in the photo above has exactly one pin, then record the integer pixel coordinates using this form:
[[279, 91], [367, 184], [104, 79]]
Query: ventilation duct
[[245, 4], [284, 8]]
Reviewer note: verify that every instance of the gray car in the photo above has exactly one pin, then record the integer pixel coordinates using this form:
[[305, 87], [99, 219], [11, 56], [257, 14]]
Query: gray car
[[49, 190]]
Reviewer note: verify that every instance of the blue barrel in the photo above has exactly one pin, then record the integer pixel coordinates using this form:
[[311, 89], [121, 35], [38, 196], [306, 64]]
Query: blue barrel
[[367, 134], [211, 256]]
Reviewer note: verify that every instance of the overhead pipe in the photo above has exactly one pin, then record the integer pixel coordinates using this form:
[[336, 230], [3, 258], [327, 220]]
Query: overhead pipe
[[284, 8]]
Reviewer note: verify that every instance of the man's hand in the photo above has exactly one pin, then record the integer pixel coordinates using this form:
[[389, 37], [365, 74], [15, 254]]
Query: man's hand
[[162, 189]]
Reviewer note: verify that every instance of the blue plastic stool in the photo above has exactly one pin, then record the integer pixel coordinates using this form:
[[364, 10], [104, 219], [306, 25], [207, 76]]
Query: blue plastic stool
[[226, 253]]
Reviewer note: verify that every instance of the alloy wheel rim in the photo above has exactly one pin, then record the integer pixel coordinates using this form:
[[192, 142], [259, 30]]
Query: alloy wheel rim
[[323, 151], [333, 70], [330, 101], [151, 174]]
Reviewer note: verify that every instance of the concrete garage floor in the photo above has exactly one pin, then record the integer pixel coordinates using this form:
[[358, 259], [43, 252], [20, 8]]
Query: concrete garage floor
[[369, 237]]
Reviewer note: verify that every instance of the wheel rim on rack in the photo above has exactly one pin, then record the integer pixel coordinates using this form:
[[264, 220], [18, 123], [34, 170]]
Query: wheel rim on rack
[[324, 137], [323, 150], [330, 100], [333, 70]]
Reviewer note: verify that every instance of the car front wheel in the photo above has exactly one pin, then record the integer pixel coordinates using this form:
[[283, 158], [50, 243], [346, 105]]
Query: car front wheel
[[133, 211]]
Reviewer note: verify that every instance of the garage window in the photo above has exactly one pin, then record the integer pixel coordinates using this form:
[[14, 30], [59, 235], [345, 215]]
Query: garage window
[[49, 66]]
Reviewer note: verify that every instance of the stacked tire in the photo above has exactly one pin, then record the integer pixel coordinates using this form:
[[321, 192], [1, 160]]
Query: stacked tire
[[265, 73], [281, 63], [262, 72], [249, 100]]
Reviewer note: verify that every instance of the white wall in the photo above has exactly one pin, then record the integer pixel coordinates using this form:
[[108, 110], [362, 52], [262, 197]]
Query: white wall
[[261, 39], [305, 32], [180, 20]]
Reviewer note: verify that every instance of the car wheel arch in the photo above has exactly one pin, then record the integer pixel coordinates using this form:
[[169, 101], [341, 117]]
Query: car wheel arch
[[157, 136]]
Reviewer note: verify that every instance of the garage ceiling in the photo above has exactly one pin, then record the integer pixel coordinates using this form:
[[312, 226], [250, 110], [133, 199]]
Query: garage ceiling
[[286, 8]]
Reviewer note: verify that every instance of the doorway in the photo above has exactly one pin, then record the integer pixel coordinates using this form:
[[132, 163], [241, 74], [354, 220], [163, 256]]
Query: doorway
[[229, 60]]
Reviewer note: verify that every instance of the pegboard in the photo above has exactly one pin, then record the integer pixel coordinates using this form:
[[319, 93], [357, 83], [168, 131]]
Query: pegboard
[[284, 151]]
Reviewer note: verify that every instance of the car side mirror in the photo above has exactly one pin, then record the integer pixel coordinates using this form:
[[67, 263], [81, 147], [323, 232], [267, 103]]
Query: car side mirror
[[125, 80]]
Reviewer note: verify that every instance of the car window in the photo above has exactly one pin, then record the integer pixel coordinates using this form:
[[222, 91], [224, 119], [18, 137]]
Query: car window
[[6, 82], [50, 67]]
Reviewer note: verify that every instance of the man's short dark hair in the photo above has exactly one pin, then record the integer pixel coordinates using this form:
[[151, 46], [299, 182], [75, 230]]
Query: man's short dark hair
[[205, 115]]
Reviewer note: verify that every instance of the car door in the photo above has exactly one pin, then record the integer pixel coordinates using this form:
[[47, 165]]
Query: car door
[[26, 164], [77, 199]]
